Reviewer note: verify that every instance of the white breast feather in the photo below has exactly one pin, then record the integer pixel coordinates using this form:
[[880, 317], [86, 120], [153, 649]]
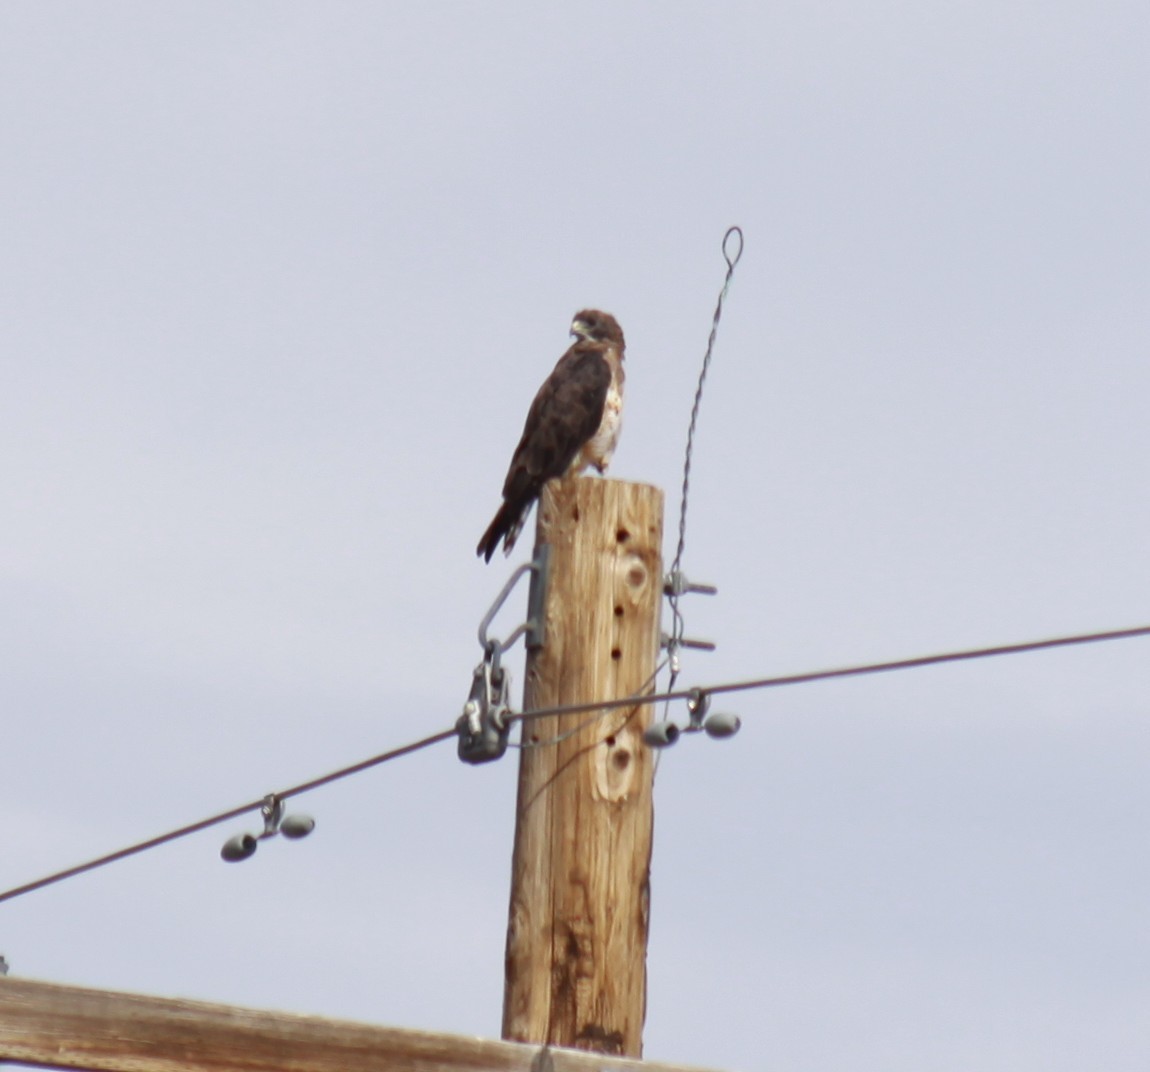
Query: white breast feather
[[602, 444]]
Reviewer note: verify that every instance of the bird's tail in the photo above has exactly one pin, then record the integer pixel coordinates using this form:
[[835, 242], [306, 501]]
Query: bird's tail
[[505, 526]]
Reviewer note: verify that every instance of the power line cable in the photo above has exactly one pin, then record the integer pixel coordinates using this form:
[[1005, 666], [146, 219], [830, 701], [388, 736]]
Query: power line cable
[[599, 706], [842, 671], [223, 817], [637, 697]]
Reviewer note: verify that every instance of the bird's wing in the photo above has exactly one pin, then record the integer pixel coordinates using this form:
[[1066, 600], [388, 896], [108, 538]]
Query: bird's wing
[[565, 414]]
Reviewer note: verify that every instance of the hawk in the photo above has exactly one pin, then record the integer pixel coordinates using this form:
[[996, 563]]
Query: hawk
[[574, 422]]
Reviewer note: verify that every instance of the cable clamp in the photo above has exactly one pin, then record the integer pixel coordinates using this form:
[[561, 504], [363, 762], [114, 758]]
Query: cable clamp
[[272, 811], [698, 704], [676, 583], [485, 726]]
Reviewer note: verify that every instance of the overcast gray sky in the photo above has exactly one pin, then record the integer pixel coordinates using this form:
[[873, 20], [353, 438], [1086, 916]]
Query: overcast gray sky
[[278, 283]]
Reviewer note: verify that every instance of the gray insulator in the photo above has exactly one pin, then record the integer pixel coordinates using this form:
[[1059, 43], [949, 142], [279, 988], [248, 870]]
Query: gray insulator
[[297, 826], [722, 724], [661, 735], [239, 848]]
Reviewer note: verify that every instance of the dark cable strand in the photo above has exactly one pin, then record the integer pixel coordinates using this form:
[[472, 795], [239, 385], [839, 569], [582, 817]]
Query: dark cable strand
[[732, 261], [677, 624], [600, 706], [223, 817], [846, 671], [637, 696]]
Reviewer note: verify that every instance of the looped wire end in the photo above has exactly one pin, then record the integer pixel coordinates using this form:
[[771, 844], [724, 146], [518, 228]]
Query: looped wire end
[[732, 258], [731, 254]]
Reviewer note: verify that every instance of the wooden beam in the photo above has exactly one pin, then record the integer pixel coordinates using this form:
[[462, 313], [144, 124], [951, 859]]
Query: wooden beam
[[577, 933], [69, 1027]]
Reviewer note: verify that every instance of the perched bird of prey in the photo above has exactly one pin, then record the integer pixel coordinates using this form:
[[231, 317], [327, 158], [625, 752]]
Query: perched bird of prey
[[574, 422]]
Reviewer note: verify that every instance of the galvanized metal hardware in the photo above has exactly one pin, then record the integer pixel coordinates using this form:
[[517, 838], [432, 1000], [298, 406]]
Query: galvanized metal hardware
[[533, 629], [676, 583], [242, 846], [484, 726], [717, 726], [668, 642]]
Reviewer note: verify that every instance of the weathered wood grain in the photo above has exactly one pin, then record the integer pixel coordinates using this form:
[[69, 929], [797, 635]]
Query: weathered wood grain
[[577, 932], [70, 1027]]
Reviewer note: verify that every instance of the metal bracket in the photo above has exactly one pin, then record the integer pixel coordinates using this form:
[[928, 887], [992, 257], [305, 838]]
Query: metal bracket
[[667, 641], [485, 726], [534, 628], [537, 597], [676, 584]]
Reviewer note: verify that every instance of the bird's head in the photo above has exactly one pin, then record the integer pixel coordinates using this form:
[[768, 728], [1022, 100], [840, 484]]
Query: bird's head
[[596, 326]]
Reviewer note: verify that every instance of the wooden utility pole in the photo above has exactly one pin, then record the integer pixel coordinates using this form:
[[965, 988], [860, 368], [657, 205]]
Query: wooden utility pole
[[577, 933]]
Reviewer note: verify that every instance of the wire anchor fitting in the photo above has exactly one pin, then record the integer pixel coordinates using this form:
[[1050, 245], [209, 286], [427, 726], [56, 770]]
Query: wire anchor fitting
[[676, 584], [294, 827], [485, 726]]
